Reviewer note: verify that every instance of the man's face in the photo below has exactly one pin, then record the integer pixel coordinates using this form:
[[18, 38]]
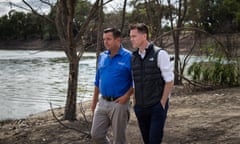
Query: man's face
[[137, 38], [109, 41]]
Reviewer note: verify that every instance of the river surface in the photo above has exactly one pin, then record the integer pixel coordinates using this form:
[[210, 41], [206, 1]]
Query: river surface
[[30, 80]]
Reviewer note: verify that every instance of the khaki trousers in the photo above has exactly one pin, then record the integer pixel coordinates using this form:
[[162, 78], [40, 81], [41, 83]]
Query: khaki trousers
[[110, 114]]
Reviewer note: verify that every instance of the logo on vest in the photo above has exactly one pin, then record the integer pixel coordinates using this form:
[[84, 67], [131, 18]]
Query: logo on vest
[[151, 59]]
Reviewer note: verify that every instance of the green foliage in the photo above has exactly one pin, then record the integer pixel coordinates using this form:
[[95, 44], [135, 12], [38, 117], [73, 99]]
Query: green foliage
[[195, 70], [218, 15], [81, 11], [213, 16], [138, 14], [216, 71], [217, 68], [152, 13], [19, 25], [49, 29], [238, 20], [5, 28]]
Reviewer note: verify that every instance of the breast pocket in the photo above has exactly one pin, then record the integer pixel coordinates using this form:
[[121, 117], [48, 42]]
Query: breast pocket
[[121, 67]]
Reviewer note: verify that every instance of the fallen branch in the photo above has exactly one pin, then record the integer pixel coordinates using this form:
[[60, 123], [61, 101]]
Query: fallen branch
[[197, 84], [83, 112], [65, 126]]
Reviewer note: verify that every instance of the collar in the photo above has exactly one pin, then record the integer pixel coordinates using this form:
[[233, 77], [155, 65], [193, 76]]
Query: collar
[[144, 52], [120, 51]]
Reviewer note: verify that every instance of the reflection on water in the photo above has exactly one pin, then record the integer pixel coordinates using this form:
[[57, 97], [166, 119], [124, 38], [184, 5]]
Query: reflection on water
[[32, 79]]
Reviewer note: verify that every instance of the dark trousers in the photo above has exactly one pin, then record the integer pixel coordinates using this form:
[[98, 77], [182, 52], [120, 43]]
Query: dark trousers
[[151, 122]]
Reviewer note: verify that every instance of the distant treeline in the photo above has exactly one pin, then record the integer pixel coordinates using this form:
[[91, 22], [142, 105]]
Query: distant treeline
[[215, 16]]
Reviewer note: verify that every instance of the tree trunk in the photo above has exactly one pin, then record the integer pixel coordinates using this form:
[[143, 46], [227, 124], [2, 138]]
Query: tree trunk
[[123, 15], [181, 12], [99, 28], [70, 107], [177, 78], [64, 22]]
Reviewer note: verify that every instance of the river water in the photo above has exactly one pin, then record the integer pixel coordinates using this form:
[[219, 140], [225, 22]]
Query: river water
[[30, 80]]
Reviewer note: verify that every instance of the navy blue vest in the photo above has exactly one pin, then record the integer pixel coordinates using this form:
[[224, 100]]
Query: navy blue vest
[[148, 81]]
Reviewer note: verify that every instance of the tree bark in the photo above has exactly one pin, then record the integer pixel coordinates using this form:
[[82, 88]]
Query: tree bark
[[123, 15], [181, 12], [99, 34], [70, 107]]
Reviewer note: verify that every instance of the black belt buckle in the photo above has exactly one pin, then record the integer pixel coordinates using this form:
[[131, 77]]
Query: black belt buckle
[[109, 98]]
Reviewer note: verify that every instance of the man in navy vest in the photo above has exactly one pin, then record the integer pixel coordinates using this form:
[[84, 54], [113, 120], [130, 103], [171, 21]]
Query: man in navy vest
[[153, 80]]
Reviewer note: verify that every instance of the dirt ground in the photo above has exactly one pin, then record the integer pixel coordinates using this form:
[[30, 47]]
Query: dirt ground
[[204, 117]]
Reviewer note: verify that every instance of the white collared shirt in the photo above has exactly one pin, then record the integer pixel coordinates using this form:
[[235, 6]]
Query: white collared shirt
[[164, 64]]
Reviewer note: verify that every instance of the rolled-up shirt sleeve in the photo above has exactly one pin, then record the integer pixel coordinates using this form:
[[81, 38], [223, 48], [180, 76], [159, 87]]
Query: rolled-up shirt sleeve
[[165, 66]]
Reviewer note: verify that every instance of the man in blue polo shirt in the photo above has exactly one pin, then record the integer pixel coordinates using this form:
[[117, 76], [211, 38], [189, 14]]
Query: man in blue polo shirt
[[113, 82]]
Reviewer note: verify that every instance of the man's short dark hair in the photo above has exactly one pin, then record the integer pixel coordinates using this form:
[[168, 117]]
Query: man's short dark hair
[[116, 32], [141, 27]]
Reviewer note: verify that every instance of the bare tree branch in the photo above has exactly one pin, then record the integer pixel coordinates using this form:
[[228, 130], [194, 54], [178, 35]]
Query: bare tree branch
[[47, 3], [195, 83], [65, 126], [107, 2], [35, 12], [13, 4], [83, 112], [85, 24], [193, 29]]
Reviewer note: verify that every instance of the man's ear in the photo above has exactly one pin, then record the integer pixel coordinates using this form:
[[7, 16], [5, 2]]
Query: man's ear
[[145, 36], [118, 39]]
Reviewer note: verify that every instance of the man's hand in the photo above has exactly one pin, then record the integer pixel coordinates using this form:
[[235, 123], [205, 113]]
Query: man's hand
[[122, 100], [93, 106], [163, 103]]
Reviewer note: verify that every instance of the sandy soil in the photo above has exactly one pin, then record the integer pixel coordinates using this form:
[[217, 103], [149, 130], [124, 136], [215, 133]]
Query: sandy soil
[[204, 117]]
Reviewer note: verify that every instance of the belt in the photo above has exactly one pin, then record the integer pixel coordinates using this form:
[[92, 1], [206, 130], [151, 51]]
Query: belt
[[108, 98]]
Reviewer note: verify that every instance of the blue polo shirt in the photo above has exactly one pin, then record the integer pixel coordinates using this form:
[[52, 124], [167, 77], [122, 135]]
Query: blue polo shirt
[[113, 76]]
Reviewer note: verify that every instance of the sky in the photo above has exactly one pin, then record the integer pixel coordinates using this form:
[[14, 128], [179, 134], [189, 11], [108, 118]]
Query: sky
[[5, 5]]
